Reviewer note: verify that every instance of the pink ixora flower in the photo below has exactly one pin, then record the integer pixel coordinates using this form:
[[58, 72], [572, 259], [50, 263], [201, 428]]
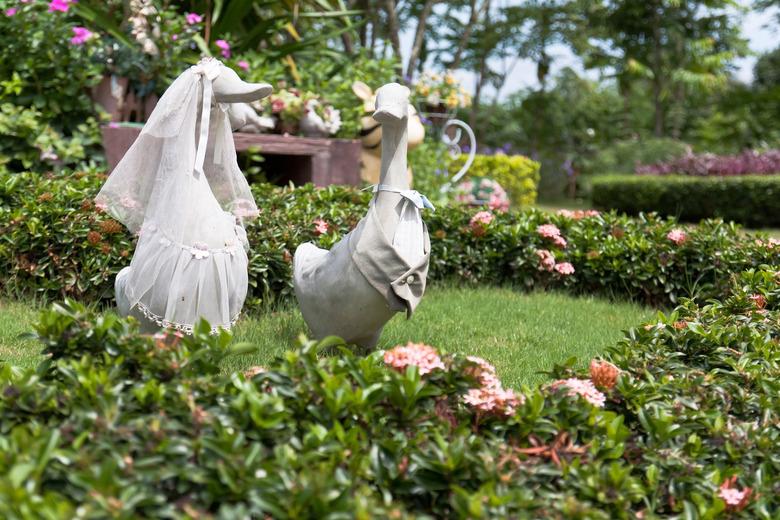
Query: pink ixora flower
[[59, 5], [10, 11], [480, 222], [759, 300], [677, 236], [578, 214], [490, 396], [424, 357], [243, 64], [277, 105], [482, 217], [193, 18], [548, 230], [80, 35], [564, 268], [546, 260], [736, 499], [559, 241], [583, 388], [494, 399], [225, 46], [320, 227], [483, 372]]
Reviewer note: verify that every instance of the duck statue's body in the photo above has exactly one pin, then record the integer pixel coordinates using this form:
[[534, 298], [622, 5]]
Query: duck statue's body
[[381, 266]]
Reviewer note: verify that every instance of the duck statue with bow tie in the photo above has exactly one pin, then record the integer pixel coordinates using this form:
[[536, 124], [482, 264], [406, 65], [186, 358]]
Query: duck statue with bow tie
[[380, 267], [180, 190]]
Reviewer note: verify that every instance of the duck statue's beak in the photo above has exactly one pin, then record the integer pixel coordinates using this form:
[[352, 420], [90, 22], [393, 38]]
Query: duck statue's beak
[[392, 103], [229, 88]]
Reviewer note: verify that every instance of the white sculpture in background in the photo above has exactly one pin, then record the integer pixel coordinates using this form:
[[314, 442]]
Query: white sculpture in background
[[180, 189], [381, 266]]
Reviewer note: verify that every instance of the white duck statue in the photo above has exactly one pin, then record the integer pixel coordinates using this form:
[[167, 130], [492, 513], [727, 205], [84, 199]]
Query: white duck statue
[[381, 266], [181, 191]]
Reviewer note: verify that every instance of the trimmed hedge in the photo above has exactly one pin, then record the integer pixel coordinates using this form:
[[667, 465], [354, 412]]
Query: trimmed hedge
[[750, 200], [116, 424], [517, 174], [55, 244]]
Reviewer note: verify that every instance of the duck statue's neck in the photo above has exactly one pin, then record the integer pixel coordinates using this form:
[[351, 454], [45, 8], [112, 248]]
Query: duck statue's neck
[[395, 139]]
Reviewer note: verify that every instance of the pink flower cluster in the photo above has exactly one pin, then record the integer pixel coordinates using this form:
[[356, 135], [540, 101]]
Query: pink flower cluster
[[193, 18], [480, 222], [10, 11], [678, 236], [583, 388], [551, 231], [320, 227], [747, 163], [546, 260], [564, 268], [547, 263], [225, 46], [736, 499], [81, 35], [578, 214], [490, 396], [769, 244], [482, 217], [424, 357], [59, 5]]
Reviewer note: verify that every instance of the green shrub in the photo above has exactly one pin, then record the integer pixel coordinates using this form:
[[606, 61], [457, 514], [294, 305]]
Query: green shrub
[[47, 80], [54, 243], [749, 200], [517, 174], [29, 142], [116, 424]]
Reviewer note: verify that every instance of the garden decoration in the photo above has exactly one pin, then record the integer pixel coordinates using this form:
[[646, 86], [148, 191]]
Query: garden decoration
[[185, 198], [243, 118], [438, 97], [380, 267], [371, 134]]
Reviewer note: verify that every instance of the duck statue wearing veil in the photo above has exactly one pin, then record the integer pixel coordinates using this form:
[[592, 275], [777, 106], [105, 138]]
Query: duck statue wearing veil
[[180, 190]]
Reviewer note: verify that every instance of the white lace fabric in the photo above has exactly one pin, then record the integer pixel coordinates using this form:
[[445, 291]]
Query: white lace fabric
[[179, 188]]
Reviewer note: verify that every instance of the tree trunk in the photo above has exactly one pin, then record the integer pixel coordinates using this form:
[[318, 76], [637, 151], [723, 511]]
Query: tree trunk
[[419, 35], [658, 126], [481, 75], [393, 28], [466, 34], [363, 33]]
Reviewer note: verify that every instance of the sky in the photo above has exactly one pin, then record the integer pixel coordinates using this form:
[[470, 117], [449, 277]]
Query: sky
[[760, 28]]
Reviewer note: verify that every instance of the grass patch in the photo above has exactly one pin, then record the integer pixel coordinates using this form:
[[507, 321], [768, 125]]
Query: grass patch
[[522, 334]]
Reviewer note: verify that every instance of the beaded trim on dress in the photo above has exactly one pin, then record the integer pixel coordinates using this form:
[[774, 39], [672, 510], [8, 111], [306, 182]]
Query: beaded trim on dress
[[187, 329]]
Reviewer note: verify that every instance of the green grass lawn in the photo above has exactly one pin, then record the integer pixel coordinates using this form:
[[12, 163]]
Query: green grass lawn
[[522, 334]]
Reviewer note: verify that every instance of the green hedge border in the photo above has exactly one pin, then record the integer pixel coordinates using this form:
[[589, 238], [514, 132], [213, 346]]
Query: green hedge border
[[752, 200]]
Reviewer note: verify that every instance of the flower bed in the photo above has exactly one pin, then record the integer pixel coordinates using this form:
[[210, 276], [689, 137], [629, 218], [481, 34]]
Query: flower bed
[[680, 419], [747, 163], [53, 242], [748, 199]]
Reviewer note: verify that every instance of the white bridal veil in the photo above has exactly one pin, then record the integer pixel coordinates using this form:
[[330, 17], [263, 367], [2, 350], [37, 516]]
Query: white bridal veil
[[179, 188]]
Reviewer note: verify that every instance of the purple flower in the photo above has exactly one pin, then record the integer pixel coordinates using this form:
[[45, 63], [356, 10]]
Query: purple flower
[[10, 11], [80, 35], [59, 5], [193, 18], [746, 163], [243, 64], [225, 46]]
